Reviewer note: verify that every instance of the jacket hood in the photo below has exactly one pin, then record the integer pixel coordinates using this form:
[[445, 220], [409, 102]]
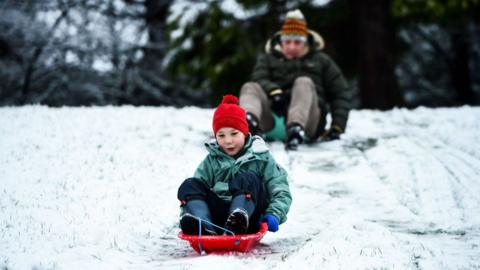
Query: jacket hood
[[314, 41]]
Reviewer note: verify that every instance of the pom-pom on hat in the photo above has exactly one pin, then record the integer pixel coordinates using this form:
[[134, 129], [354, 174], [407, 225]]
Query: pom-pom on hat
[[229, 114], [295, 26]]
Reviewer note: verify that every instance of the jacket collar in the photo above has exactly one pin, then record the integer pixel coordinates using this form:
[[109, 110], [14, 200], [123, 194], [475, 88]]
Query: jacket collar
[[253, 146]]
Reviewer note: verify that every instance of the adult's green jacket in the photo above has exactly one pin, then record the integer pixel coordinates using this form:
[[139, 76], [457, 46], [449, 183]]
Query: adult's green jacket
[[274, 71], [218, 168]]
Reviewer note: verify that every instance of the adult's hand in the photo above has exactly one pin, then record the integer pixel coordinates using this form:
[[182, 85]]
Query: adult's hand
[[332, 134], [279, 100]]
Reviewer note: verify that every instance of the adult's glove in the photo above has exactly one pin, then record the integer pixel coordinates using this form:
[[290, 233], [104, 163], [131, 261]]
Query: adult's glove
[[272, 222], [279, 101], [332, 134]]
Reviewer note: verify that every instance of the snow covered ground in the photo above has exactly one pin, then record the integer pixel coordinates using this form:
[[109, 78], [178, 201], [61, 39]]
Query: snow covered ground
[[95, 188]]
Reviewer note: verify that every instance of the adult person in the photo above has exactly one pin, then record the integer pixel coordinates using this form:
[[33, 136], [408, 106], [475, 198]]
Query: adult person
[[295, 79]]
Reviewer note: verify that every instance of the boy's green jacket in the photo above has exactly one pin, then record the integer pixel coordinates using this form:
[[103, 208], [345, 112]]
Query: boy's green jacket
[[218, 168]]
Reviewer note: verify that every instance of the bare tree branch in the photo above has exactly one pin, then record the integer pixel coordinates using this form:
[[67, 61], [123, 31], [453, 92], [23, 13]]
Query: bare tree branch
[[36, 55]]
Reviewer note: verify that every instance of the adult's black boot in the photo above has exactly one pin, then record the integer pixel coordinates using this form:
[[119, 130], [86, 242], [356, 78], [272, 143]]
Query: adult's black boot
[[241, 209], [197, 219], [254, 125], [295, 136]]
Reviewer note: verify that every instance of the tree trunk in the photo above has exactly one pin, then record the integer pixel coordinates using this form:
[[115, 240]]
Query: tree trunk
[[459, 67], [375, 30], [156, 19], [151, 87]]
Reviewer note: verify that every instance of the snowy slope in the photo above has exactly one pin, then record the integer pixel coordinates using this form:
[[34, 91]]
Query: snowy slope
[[95, 188]]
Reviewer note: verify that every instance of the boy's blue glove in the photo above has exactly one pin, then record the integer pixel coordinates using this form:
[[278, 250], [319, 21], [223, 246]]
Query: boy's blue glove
[[272, 222]]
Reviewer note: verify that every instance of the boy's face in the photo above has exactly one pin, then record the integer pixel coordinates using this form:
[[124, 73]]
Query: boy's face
[[231, 140]]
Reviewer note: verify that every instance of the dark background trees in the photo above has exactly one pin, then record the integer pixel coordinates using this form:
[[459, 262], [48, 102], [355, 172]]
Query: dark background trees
[[375, 34], [165, 52], [440, 64]]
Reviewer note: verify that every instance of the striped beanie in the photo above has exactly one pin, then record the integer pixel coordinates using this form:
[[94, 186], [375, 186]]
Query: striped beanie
[[294, 27]]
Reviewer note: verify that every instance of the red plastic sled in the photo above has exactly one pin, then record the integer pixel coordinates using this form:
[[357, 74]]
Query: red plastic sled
[[224, 243]]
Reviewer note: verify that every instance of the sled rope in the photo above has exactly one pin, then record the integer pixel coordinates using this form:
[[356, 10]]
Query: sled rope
[[200, 231], [213, 224]]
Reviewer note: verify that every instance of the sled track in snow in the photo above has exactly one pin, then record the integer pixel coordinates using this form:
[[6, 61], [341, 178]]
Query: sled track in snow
[[442, 196], [436, 182], [459, 164]]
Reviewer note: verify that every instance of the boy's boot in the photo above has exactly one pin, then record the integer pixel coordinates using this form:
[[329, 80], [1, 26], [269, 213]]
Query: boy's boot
[[196, 210], [295, 136], [241, 209]]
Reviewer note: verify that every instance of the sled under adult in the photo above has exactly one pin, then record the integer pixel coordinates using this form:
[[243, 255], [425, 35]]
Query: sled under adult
[[203, 244], [277, 133]]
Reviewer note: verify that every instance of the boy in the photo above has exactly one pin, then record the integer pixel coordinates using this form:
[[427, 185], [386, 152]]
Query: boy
[[238, 184]]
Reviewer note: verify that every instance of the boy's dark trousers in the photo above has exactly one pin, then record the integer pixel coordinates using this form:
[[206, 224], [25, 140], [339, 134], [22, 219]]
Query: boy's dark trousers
[[246, 183]]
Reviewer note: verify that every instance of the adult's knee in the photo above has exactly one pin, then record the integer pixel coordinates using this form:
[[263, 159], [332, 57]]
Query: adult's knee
[[192, 188], [249, 88], [304, 80], [303, 84]]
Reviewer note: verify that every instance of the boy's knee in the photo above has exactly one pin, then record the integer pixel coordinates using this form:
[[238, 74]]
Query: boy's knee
[[248, 176], [246, 182], [192, 188]]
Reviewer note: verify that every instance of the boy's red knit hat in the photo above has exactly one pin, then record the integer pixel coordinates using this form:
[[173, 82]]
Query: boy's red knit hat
[[229, 114]]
